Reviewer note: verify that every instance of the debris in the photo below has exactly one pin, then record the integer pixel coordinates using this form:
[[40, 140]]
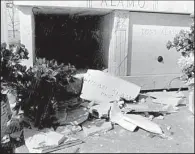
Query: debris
[[160, 117], [68, 129], [151, 117], [100, 111], [143, 100], [168, 127], [102, 87], [36, 141], [144, 123], [148, 107], [118, 118], [99, 126], [77, 116], [167, 98], [66, 147]]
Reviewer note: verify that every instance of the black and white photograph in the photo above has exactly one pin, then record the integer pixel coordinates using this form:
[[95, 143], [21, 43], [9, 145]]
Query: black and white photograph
[[97, 76]]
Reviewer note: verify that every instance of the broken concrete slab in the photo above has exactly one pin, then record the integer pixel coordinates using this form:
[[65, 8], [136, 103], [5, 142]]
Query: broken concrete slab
[[143, 123], [167, 98], [117, 117], [100, 86], [67, 147], [102, 110], [77, 116], [98, 126], [36, 141], [68, 129]]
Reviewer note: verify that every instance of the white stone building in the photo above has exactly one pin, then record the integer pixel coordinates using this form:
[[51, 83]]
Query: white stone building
[[133, 34]]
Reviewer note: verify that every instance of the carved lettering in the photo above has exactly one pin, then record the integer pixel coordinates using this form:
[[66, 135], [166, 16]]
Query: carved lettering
[[120, 2], [112, 3], [130, 3], [141, 4], [104, 2]]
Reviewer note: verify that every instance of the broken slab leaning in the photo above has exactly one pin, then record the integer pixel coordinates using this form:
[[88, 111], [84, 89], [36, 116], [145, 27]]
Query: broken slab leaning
[[101, 87]]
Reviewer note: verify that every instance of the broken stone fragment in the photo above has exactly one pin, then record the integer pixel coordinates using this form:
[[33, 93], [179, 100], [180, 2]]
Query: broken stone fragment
[[77, 116], [143, 123], [160, 117], [100, 86], [167, 98], [99, 126], [37, 140], [68, 129], [101, 110], [118, 118]]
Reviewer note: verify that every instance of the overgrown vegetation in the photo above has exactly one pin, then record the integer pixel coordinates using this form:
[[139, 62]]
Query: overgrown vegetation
[[184, 43], [40, 88]]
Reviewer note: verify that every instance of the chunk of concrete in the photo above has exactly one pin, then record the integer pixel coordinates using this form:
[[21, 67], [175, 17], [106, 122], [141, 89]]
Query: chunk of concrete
[[99, 125], [100, 86], [77, 116], [117, 117], [36, 141], [143, 123]]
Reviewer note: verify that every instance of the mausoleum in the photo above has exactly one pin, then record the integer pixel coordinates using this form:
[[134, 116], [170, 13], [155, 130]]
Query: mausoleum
[[128, 37]]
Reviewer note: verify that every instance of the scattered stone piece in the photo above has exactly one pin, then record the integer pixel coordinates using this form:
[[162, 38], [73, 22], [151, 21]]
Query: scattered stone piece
[[68, 129], [168, 127], [118, 118], [36, 141], [100, 86], [102, 110], [151, 117], [160, 117], [99, 126], [167, 98], [77, 116], [143, 123]]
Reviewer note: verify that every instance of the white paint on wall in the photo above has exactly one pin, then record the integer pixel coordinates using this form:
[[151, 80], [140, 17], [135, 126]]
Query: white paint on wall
[[4, 30], [27, 33]]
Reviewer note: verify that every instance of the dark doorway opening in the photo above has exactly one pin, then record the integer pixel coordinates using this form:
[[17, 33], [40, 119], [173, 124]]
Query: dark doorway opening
[[69, 39]]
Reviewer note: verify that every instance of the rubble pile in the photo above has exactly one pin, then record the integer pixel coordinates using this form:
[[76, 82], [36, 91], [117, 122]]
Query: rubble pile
[[107, 101]]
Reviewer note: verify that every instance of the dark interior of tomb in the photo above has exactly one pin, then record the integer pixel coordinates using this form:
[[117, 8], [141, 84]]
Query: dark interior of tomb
[[68, 39]]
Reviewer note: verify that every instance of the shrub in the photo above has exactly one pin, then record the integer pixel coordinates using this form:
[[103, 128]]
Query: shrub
[[184, 43], [38, 88]]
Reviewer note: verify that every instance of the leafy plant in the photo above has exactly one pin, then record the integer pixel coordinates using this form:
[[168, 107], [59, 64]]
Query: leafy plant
[[184, 43], [40, 88]]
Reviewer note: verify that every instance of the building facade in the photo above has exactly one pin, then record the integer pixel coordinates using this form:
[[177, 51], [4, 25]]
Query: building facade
[[133, 34]]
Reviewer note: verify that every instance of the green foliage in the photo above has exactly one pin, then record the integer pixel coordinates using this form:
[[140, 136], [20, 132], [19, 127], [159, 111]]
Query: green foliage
[[184, 43], [37, 87]]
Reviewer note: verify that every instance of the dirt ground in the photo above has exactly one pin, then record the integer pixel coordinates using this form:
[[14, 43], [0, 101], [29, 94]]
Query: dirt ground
[[121, 140]]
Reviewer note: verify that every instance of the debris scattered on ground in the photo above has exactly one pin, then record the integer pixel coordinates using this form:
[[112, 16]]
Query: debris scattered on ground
[[118, 118], [168, 127], [151, 117], [167, 98], [98, 126], [103, 87], [36, 140], [100, 111], [41, 142], [103, 97], [68, 129], [77, 116], [160, 117]]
